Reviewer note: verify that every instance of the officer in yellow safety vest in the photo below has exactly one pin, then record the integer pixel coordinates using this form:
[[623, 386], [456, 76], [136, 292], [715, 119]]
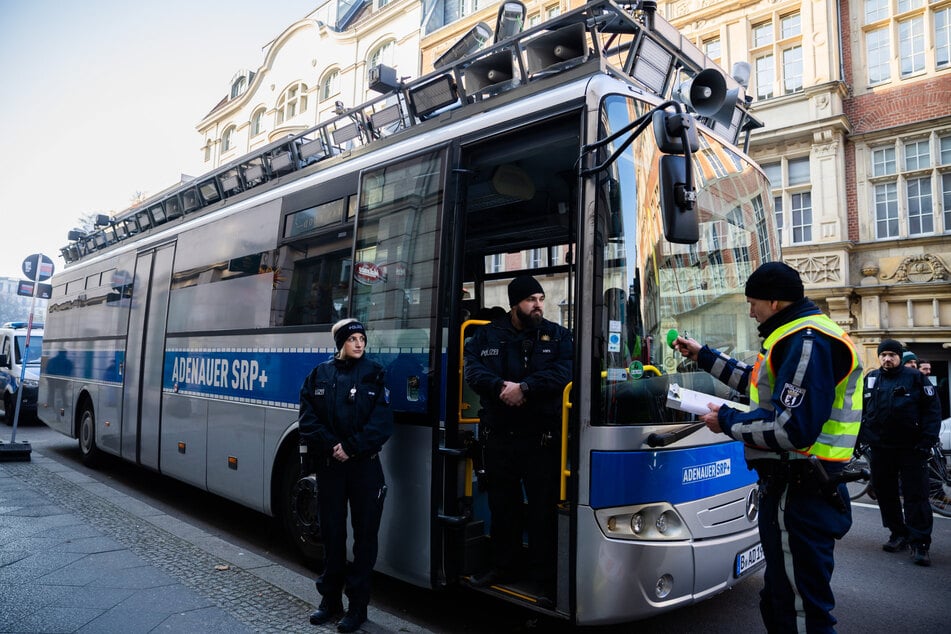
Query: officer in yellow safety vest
[[804, 418]]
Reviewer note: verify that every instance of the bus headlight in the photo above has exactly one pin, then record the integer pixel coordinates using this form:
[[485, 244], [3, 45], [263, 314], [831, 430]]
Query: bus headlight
[[30, 383], [659, 521]]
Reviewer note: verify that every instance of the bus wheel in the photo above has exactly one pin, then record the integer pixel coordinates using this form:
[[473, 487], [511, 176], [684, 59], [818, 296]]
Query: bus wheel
[[89, 452], [297, 511]]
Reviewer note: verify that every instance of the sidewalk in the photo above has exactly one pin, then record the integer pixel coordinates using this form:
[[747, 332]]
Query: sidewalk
[[78, 556]]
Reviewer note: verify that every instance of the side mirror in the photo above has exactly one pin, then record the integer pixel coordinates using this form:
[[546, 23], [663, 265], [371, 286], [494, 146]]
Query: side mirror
[[678, 206]]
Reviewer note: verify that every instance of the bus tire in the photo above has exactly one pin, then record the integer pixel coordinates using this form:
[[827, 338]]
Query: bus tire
[[297, 510], [88, 450]]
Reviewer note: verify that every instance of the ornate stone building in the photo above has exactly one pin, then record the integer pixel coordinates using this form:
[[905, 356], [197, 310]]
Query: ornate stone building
[[856, 98], [313, 65]]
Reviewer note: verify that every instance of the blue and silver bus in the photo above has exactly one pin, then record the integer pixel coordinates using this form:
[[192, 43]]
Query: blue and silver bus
[[599, 152]]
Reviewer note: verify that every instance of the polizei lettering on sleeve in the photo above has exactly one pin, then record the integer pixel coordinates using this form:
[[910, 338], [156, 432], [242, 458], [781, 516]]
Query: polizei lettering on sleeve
[[709, 471]]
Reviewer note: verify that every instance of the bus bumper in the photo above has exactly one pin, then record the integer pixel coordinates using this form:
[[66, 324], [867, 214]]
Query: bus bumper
[[620, 580]]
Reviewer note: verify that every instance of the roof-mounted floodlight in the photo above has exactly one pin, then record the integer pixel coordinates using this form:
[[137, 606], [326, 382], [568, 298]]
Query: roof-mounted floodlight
[[433, 95], [75, 234], [466, 45], [102, 220], [510, 19]]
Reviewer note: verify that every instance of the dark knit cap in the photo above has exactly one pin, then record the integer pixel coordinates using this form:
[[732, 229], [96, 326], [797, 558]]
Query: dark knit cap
[[775, 281], [890, 345], [345, 331], [523, 286], [909, 356]]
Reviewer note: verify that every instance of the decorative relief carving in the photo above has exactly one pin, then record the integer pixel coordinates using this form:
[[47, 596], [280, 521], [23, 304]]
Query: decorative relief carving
[[919, 268], [818, 270]]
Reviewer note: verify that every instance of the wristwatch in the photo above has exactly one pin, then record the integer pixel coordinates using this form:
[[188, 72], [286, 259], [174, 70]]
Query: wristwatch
[[523, 386]]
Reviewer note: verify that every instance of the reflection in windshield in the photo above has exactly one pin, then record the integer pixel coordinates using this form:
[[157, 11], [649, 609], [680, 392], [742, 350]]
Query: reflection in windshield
[[36, 349], [651, 286]]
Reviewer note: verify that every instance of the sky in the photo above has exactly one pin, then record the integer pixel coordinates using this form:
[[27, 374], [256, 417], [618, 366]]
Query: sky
[[100, 99]]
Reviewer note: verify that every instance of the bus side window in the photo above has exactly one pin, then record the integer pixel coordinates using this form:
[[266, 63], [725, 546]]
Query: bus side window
[[319, 290]]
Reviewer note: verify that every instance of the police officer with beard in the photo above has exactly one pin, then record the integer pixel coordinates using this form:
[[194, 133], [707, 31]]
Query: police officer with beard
[[806, 405], [519, 365], [344, 420], [900, 422]]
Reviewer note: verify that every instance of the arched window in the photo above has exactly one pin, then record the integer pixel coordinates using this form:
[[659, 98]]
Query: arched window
[[237, 88], [291, 103], [257, 122], [330, 84], [382, 54], [227, 139]]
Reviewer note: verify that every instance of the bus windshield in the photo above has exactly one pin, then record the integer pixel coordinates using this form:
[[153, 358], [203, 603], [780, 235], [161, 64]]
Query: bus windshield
[[652, 286]]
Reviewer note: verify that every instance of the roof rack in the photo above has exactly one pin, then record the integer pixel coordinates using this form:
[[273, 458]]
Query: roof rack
[[626, 40]]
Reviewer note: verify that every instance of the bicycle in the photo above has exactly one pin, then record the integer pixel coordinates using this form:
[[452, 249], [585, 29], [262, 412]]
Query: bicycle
[[939, 483], [860, 482]]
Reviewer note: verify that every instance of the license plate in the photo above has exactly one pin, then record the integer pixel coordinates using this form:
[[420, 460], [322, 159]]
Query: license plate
[[748, 560]]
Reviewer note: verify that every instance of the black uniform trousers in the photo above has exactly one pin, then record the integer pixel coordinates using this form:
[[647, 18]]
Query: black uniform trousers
[[900, 480], [511, 462], [358, 482], [798, 527]]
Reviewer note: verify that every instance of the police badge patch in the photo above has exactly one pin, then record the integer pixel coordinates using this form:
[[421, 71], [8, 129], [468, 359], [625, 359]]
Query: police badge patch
[[929, 390], [792, 395]]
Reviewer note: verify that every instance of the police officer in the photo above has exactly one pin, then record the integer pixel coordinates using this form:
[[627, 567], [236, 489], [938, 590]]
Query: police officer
[[799, 433], [344, 420], [519, 365], [900, 422]]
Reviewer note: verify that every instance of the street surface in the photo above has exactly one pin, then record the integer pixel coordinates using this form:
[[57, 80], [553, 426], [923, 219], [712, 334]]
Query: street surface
[[875, 591]]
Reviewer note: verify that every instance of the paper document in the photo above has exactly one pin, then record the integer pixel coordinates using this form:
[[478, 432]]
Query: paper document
[[696, 402]]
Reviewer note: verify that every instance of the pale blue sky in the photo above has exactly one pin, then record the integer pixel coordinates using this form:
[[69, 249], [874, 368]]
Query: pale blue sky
[[100, 99]]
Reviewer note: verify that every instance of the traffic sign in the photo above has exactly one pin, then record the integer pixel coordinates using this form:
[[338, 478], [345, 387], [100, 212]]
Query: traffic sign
[[43, 291], [38, 267]]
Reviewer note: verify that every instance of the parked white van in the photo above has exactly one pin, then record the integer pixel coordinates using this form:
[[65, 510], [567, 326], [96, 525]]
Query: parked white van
[[13, 356]]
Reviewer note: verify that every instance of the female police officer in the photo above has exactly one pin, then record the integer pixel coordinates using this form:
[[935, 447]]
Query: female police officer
[[344, 420]]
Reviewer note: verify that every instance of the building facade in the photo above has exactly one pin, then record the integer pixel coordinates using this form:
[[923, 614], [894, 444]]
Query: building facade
[[315, 66], [856, 101]]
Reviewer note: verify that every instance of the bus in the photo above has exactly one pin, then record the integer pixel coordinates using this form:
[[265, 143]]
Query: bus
[[599, 152]]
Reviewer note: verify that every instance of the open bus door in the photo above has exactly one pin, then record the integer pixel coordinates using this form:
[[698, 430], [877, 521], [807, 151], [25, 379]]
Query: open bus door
[[516, 210]]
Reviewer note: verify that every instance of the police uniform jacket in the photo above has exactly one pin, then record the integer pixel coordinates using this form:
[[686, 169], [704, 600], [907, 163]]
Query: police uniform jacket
[[901, 409], [540, 357], [814, 376], [346, 402]]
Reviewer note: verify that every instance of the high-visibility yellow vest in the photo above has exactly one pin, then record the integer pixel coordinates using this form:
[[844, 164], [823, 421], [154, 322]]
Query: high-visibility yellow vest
[[838, 435]]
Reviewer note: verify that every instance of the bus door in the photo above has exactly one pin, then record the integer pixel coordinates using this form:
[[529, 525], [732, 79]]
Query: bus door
[[145, 345], [518, 216]]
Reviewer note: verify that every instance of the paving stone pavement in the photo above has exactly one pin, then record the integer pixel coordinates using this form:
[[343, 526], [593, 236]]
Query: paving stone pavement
[[78, 556]]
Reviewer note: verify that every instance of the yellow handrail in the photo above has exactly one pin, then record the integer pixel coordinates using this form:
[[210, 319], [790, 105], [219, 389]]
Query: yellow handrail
[[462, 379], [565, 472]]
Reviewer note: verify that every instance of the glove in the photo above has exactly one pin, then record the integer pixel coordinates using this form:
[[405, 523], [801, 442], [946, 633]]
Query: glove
[[924, 450]]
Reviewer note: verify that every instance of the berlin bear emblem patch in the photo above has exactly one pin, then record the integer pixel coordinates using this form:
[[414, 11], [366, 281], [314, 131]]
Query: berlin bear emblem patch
[[792, 395]]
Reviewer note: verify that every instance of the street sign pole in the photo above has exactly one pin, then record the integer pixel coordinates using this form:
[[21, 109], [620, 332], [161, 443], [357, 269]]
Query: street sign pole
[[38, 268]]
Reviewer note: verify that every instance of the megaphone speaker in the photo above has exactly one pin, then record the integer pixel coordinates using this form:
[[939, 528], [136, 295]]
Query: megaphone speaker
[[556, 47], [488, 71], [724, 115], [704, 93]]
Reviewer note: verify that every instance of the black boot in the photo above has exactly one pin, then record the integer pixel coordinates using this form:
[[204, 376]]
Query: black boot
[[355, 617], [328, 611]]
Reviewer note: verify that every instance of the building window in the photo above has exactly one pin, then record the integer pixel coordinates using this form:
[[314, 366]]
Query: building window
[[227, 139], [907, 177], [330, 84], [257, 122], [942, 37], [778, 39], [791, 185], [711, 48], [238, 86], [900, 37], [553, 11], [291, 103], [207, 150], [382, 54]]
